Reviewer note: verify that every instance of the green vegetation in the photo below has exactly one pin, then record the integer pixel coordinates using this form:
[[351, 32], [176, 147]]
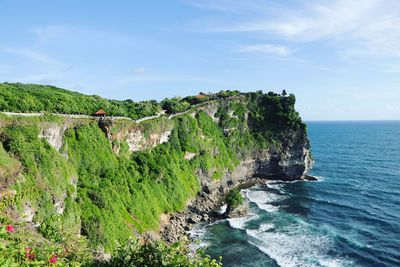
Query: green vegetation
[[234, 198], [174, 105], [155, 254], [16, 97], [9, 167], [273, 114], [88, 197], [227, 93], [26, 98]]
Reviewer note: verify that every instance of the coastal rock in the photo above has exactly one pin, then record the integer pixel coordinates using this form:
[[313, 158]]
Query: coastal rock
[[291, 162], [240, 211]]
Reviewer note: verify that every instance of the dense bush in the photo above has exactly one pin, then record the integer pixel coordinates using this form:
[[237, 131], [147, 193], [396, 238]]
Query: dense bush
[[271, 115], [16, 97], [110, 196], [174, 105], [234, 198], [157, 254], [227, 93], [118, 195]]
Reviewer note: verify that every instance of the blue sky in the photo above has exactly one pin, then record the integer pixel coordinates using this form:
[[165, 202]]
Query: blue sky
[[341, 58]]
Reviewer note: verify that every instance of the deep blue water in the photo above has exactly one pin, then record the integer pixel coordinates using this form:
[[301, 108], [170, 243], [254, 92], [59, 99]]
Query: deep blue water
[[351, 217]]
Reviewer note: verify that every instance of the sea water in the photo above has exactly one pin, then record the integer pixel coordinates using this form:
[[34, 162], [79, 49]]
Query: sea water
[[350, 217]]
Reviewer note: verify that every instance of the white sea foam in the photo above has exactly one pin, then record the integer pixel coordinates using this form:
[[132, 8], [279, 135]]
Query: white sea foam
[[263, 199], [259, 196], [266, 227], [277, 186], [267, 207], [295, 246], [223, 208], [240, 223], [197, 233]]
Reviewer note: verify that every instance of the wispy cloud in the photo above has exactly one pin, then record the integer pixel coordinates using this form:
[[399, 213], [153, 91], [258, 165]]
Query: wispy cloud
[[279, 50], [29, 53], [356, 28], [140, 71]]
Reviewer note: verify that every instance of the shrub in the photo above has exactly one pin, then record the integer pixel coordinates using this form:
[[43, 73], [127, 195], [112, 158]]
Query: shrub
[[234, 198], [155, 254]]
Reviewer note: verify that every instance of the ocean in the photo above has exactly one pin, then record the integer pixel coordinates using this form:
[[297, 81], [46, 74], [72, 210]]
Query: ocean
[[350, 217]]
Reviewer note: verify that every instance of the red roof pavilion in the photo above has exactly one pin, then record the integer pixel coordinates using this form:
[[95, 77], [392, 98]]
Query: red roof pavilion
[[100, 112]]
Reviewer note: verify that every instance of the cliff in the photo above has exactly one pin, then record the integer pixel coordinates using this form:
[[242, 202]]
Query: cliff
[[77, 178]]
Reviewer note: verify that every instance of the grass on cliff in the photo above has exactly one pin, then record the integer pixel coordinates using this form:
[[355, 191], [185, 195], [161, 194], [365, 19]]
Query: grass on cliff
[[108, 197], [25, 98], [9, 167], [120, 195]]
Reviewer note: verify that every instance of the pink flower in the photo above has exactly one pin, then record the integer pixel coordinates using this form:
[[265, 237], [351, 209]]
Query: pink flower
[[28, 254], [53, 259], [10, 228]]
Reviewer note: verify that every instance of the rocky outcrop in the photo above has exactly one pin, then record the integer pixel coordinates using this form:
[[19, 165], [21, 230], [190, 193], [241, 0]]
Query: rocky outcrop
[[211, 110], [239, 211], [292, 162], [53, 133]]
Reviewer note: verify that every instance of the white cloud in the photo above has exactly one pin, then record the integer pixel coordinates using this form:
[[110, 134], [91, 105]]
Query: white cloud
[[28, 53], [279, 50], [42, 78], [140, 71], [357, 28]]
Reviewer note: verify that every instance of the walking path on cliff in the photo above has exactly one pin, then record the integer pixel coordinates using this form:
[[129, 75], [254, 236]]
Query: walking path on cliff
[[79, 116]]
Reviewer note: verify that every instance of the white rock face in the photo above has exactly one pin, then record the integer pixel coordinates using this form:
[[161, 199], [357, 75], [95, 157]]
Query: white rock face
[[60, 204], [189, 155], [211, 110], [28, 212], [53, 134], [137, 140], [165, 137]]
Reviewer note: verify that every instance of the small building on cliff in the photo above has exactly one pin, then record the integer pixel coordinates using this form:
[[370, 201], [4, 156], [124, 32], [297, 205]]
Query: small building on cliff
[[100, 113]]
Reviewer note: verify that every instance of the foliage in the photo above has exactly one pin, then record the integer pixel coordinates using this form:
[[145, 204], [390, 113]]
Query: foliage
[[17, 97], [234, 198], [272, 116], [174, 105], [227, 93], [9, 167], [22, 247], [156, 254], [109, 197], [46, 178], [193, 100]]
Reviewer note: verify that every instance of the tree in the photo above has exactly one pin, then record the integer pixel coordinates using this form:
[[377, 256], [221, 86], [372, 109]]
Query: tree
[[284, 92]]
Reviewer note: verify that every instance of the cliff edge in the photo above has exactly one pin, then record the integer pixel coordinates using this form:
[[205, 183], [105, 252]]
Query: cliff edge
[[100, 181]]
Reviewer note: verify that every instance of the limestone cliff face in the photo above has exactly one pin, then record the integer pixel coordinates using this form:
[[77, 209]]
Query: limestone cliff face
[[291, 162], [249, 138], [288, 159], [53, 133]]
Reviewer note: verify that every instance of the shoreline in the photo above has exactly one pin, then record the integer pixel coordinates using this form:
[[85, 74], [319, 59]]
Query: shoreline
[[204, 209]]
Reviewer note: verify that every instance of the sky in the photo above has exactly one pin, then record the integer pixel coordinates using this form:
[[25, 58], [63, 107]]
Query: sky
[[340, 58]]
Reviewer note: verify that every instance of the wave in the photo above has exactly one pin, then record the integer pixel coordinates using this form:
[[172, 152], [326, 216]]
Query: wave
[[222, 209], [266, 227], [295, 247], [198, 233], [267, 207], [240, 223], [276, 186], [259, 196]]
